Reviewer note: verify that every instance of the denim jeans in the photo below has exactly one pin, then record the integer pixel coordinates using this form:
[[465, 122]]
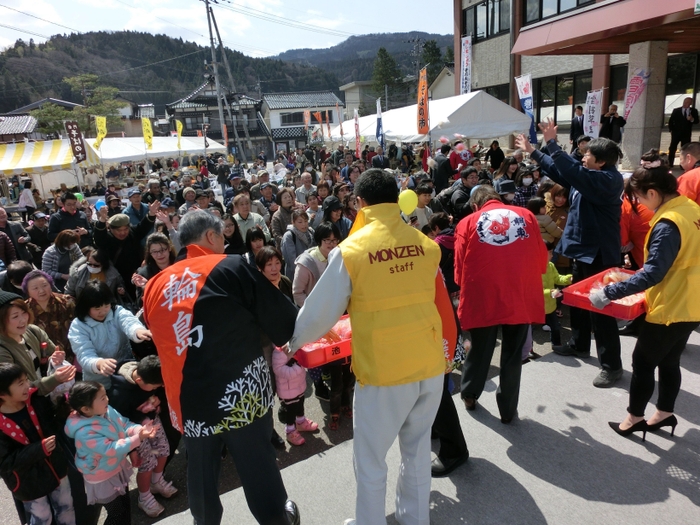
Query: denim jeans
[[39, 511]]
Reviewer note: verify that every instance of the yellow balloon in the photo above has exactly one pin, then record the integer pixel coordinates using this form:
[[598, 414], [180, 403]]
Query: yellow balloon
[[408, 200]]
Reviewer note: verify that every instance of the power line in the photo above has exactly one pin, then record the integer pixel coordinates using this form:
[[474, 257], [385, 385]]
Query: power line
[[262, 15], [24, 31], [38, 18]]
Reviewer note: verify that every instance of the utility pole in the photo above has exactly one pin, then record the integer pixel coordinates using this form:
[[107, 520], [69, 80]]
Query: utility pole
[[216, 74], [236, 98], [386, 97]]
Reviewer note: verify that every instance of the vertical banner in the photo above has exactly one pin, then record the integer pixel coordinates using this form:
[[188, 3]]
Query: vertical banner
[[340, 120], [591, 115], [147, 132], [317, 116], [357, 133], [466, 69], [380, 128], [307, 119], [101, 125], [178, 126], [524, 84], [224, 132], [423, 103], [76, 141], [635, 88], [328, 125]]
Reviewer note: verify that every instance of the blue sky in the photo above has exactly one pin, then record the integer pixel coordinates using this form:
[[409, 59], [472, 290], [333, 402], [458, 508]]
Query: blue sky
[[253, 27]]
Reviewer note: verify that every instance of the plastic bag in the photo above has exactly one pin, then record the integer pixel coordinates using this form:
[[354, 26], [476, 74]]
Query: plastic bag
[[63, 388]]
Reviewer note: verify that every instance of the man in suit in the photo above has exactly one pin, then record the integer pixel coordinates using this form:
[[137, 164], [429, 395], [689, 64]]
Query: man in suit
[[681, 125], [611, 125], [576, 126], [380, 160]]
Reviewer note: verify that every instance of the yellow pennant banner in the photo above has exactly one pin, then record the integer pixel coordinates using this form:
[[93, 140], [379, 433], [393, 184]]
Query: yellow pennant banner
[[147, 132], [101, 125], [178, 125]]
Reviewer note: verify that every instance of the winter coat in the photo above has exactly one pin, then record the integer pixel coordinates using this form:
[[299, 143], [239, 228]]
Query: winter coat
[[93, 340], [57, 262], [38, 244], [125, 396], [80, 276], [62, 220], [308, 270], [101, 443], [290, 377], [7, 250], [56, 319], [446, 241], [550, 279], [280, 220], [27, 469], [136, 216], [13, 352], [294, 243], [548, 228]]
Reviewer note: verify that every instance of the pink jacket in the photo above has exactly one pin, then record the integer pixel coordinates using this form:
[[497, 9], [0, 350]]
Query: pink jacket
[[290, 380]]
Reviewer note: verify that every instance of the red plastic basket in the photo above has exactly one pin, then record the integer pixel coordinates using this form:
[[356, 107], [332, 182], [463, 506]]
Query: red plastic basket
[[318, 356], [577, 295]]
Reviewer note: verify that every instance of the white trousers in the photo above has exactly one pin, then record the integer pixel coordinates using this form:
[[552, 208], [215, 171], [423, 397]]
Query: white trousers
[[380, 415]]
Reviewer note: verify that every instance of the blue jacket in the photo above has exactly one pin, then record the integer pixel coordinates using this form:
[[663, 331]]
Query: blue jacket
[[595, 204], [101, 443], [92, 340], [136, 216]]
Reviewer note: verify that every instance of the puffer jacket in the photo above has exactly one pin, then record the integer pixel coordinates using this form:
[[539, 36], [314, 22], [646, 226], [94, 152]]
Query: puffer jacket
[[80, 276], [290, 378], [548, 228], [92, 340], [126, 396], [280, 220], [27, 469], [101, 443]]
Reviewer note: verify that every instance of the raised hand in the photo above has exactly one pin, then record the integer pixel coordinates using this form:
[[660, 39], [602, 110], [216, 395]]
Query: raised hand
[[153, 208], [549, 129], [523, 143]]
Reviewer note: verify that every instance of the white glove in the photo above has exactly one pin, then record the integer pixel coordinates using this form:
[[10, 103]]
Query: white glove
[[599, 299], [556, 292]]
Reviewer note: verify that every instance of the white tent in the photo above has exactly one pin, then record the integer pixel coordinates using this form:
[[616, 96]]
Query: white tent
[[475, 115], [39, 157], [124, 149]]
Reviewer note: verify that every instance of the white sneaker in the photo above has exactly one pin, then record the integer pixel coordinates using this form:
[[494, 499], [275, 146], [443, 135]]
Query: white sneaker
[[150, 506], [164, 488], [350, 521], [546, 328]]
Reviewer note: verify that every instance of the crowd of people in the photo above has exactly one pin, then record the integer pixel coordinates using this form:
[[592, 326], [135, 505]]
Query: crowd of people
[[101, 308]]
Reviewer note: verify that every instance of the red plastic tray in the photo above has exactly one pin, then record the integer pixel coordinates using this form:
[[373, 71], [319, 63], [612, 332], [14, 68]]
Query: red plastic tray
[[581, 300], [322, 355]]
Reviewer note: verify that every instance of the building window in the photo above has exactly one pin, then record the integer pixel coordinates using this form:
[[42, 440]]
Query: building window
[[681, 82], [556, 97], [297, 118], [486, 19], [618, 85], [501, 92], [193, 123], [536, 10]]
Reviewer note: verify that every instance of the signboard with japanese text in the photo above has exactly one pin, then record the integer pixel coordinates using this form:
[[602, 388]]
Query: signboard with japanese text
[[591, 115], [307, 118], [635, 88], [76, 141], [466, 66], [147, 132], [423, 103], [101, 126]]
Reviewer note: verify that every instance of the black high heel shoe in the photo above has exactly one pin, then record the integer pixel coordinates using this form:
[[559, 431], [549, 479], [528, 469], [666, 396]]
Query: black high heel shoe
[[640, 426], [670, 421]]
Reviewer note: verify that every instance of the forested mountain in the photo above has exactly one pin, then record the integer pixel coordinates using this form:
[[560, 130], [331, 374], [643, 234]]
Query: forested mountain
[[353, 58], [30, 72]]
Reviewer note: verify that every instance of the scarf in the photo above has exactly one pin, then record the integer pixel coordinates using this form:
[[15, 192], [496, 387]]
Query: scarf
[[11, 429]]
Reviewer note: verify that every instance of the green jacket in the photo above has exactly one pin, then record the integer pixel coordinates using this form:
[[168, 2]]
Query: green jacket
[[13, 352], [549, 279]]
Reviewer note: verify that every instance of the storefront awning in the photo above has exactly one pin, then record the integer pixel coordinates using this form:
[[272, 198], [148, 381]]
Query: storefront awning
[[611, 27], [39, 157]]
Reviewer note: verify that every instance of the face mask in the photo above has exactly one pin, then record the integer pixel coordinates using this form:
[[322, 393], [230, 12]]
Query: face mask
[[94, 270], [510, 197], [527, 181], [309, 169]]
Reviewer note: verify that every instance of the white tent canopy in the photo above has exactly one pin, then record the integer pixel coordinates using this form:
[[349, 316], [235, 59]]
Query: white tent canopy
[[39, 157], [475, 115], [124, 149]]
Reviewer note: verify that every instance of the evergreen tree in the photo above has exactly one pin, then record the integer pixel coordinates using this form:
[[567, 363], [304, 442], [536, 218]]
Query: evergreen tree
[[432, 58], [386, 76], [449, 55], [50, 118]]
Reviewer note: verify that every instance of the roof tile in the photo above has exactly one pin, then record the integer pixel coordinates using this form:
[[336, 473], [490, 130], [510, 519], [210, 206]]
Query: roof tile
[[309, 99]]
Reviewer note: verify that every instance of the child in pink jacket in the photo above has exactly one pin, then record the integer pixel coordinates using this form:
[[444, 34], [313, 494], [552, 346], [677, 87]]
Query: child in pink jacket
[[290, 379]]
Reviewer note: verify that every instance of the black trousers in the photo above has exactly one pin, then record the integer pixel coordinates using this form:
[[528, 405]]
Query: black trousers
[[447, 427], [342, 383], [256, 463], [552, 320], [476, 366], [604, 327], [658, 346], [677, 138], [290, 409], [118, 511]]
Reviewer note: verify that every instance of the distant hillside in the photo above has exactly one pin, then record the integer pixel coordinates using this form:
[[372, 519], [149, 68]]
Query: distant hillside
[[30, 72], [353, 59]]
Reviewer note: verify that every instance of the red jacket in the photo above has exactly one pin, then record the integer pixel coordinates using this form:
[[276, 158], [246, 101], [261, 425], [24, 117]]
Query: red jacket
[[499, 261], [634, 228], [460, 157]]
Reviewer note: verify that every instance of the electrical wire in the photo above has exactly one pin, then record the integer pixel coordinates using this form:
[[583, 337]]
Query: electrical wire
[[24, 31], [38, 18]]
